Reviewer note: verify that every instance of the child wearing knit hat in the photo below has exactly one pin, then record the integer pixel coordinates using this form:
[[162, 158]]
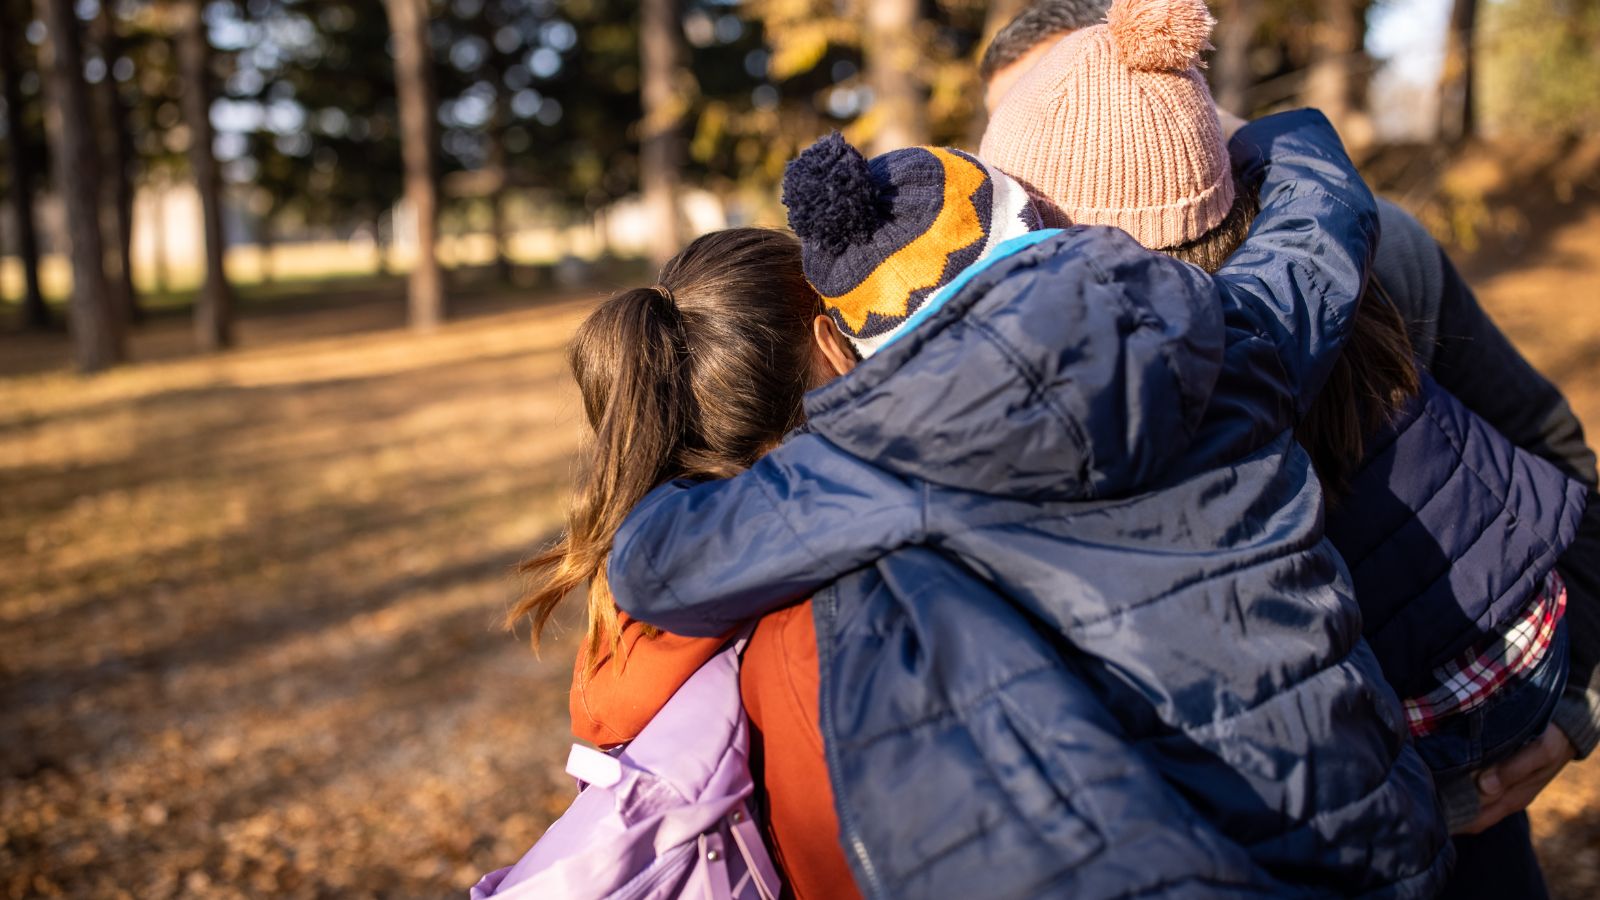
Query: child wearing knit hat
[[881, 238], [1115, 126]]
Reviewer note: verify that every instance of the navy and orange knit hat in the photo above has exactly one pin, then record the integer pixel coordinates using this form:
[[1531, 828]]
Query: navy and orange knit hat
[[879, 238]]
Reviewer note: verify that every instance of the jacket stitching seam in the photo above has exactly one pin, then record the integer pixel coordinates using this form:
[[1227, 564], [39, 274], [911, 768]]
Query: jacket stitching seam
[[1303, 546], [954, 710], [1014, 358], [1505, 501], [1356, 563]]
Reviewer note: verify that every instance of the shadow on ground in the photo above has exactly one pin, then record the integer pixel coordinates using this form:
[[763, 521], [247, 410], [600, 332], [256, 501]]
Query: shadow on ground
[[250, 643]]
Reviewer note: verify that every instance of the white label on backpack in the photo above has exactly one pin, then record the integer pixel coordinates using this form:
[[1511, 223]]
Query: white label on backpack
[[590, 766]]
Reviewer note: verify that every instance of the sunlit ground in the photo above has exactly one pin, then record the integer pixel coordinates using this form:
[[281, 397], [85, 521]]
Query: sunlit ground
[[1547, 301], [248, 638]]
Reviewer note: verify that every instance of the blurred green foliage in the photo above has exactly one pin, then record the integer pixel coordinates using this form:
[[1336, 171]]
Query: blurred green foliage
[[1541, 66]]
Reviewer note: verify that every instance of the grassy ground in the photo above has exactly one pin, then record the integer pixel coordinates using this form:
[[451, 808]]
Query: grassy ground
[[248, 638]]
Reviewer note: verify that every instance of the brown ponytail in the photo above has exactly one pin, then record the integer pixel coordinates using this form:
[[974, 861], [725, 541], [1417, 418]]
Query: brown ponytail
[[695, 377], [1372, 379]]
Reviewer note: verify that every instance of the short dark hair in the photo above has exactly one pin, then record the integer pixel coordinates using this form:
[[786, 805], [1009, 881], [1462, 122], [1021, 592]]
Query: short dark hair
[[1040, 22]]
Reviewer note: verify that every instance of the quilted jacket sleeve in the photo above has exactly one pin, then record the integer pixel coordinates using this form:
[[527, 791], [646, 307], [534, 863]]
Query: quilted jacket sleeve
[[1303, 269], [697, 559]]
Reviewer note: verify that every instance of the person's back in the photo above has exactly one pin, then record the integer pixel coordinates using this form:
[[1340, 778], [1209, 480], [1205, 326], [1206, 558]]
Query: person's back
[[735, 307], [1451, 532], [653, 418], [1017, 425]]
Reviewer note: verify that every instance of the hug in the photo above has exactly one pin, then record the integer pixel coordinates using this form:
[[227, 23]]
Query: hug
[[1125, 510]]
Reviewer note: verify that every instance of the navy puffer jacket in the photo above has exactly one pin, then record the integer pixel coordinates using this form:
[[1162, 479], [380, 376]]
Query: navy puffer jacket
[[1448, 529], [1093, 442]]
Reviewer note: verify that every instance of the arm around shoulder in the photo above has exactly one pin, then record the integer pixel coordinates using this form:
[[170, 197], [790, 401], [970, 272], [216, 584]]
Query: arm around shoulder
[[1304, 267], [698, 559]]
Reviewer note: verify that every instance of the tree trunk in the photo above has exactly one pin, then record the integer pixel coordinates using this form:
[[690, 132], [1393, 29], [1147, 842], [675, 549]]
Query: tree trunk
[[24, 171], [497, 226], [213, 309], [98, 338], [662, 151], [117, 187], [408, 19], [999, 15], [160, 271], [1457, 121], [264, 249], [497, 204], [898, 107], [1231, 75], [1340, 69], [378, 247], [494, 139]]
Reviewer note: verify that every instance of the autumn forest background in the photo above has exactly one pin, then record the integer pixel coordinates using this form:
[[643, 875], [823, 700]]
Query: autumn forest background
[[284, 292]]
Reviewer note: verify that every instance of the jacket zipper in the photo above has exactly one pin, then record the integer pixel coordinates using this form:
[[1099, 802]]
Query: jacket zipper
[[823, 604]]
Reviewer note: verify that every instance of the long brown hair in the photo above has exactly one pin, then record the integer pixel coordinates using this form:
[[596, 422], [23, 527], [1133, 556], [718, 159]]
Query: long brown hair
[[1372, 379], [694, 377]]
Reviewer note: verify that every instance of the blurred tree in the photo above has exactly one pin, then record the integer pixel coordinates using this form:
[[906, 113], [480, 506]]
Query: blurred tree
[[146, 68], [497, 185], [1231, 75], [899, 113], [1540, 68], [324, 152], [583, 102], [667, 94], [98, 334], [1337, 79], [22, 169], [997, 15], [816, 58], [213, 310], [408, 20], [117, 155], [1457, 121]]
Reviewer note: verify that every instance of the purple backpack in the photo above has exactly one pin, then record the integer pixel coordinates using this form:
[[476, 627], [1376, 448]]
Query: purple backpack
[[667, 817]]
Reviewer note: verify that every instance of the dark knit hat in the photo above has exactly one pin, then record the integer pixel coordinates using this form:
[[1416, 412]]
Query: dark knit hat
[[879, 238]]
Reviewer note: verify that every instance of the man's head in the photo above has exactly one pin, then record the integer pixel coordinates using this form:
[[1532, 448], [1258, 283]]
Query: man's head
[[1018, 46]]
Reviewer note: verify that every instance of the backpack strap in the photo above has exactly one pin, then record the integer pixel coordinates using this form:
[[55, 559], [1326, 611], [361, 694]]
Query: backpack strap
[[757, 859]]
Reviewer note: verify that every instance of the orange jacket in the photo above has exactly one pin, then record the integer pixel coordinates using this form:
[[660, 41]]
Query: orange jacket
[[779, 683]]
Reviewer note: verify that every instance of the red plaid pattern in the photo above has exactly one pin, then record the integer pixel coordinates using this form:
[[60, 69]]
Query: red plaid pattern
[[1470, 680]]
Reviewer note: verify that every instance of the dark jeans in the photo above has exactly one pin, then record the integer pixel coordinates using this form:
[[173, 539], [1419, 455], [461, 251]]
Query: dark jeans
[[1465, 744], [1498, 864]]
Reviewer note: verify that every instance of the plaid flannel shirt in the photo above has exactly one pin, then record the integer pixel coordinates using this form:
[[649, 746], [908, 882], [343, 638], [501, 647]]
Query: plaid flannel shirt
[[1469, 681]]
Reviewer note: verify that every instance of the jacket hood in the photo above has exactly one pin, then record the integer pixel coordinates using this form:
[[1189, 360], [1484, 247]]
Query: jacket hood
[[1068, 365]]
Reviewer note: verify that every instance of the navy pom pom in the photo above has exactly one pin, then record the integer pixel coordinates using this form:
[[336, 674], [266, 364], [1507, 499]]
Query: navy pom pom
[[832, 200]]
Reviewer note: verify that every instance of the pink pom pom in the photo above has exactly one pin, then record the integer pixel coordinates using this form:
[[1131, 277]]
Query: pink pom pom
[[1160, 35]]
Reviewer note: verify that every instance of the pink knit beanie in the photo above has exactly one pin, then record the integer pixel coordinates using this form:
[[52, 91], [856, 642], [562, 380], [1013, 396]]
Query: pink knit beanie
[[1115, 126]]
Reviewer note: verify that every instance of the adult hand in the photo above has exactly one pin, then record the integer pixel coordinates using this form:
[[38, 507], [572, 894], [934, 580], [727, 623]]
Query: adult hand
[[1510, 786], [1230, 123]]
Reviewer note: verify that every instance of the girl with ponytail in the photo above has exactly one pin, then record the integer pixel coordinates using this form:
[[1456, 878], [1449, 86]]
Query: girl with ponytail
[[696, 377]]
